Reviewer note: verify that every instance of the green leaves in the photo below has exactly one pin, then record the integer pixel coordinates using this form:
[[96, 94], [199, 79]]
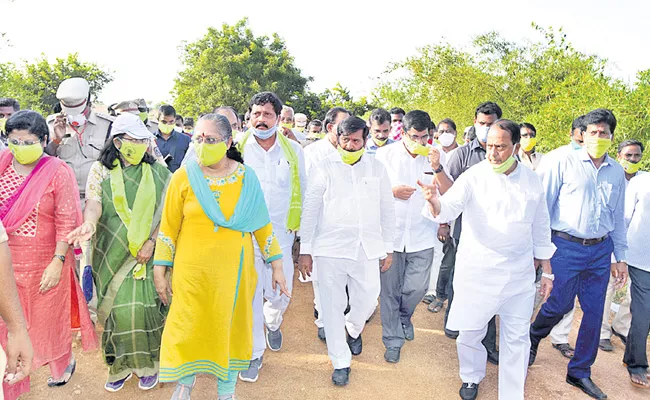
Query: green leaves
[[34, 84]]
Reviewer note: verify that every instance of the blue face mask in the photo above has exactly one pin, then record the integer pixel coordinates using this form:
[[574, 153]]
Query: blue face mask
[[265, 134], [575, 145]]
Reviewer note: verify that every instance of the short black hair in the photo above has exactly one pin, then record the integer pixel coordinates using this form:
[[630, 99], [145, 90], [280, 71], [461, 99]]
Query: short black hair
[[488, 108], [380, 116], [9, 102], [449, 122], [630, 142], [511, 127], [352, 124], [30, 121], [332, 114], [178, 116], [598, 116], [314, 122], [528, 126], [471, 133], [418, 120], [188, 121], [266, 97], [397, 110], [578, 123], [167, 110], [110, 153]]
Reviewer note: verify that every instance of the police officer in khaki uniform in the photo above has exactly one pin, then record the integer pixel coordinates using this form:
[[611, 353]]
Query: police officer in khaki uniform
[[78, 133], [143, 111]]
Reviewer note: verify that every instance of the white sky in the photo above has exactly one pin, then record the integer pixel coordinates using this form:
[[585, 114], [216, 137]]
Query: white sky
[[138, 40]]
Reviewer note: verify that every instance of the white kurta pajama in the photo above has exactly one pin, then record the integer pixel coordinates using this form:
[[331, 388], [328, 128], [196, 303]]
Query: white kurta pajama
[[274, 173], [506, 224], [348, 223]]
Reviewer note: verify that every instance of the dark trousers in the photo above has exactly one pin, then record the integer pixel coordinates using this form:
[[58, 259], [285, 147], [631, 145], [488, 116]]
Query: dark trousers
[[635, 349], [583, 271], [490, 340], [446, 265]]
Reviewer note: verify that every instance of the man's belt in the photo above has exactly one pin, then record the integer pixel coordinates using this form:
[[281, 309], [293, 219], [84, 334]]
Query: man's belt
[[584, 242]]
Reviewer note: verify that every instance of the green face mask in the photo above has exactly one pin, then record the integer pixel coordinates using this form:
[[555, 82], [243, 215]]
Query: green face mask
[[596, 146], [210, 154], [380, 143], [415, 147], [286, 125], [143, 116], [166, 129], [133, 152], [26, 154], [320, 135], [3, 122], [350, 157], [630, 167], [504, 166]]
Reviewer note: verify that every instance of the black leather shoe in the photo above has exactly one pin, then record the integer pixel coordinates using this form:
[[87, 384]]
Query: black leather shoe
[[620, 336], [451, 334], [392, 355], [606, 345], [315, 313], [321, 334], [341, 377], [356, 345], [586, 385], [469, 391], [493, 357], [534, 344]]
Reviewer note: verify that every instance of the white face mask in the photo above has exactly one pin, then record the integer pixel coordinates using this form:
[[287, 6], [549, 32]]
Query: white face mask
[[446, 139], [77, 120], [178, 129], [482, 133]]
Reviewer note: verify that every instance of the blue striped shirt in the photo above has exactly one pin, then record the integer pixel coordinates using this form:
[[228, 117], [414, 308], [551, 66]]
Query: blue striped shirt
[[584, 201]]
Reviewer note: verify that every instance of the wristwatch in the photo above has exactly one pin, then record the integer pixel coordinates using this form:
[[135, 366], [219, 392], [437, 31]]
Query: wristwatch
[[62, 258], [438, 170], [548, 276], [152, 240]]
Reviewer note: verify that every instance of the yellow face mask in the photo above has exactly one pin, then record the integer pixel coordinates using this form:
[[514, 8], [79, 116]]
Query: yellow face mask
[[596, 146], [415, 147], [26, 154], [143, 116], [630, 167], [350, 157], [166, 129], [133, 152], [210, 154], [3, 122], [380, 143], [528, 143], [286, 125]]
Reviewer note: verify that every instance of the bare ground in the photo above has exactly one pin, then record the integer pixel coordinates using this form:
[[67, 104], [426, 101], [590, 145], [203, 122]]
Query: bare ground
[[301, 370]]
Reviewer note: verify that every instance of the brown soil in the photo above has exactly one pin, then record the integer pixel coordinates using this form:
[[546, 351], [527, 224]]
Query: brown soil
[[301, 370]]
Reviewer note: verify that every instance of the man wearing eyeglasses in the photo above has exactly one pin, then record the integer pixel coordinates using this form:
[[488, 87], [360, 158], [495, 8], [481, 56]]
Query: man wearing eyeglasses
[[404, 285], [585, 194]]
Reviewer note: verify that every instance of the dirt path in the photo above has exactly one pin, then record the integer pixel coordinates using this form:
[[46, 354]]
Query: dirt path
[[301, 370]]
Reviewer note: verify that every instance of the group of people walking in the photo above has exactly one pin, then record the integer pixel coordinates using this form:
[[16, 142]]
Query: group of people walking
[[183, 251]]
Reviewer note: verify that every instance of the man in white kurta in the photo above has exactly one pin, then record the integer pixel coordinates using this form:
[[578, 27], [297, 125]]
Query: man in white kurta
[[348, 224], [506, 227], [273, 168], [314, 154]]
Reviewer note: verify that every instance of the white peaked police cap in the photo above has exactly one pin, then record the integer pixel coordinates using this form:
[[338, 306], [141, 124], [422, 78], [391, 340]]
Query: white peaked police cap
[[73, 94], [130, 124]]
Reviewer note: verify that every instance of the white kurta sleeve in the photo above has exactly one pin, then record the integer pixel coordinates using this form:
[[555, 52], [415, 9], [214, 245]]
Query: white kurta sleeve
[[543, 248], [452, 202], [387, 210], [631, 198], [311, 209]]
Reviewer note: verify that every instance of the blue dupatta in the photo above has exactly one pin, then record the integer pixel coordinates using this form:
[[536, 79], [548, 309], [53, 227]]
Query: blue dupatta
[[250, 213]]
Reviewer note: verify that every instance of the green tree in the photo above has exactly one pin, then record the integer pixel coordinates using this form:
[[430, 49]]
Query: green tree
[[228, 66], [317, 105], [34, 85]]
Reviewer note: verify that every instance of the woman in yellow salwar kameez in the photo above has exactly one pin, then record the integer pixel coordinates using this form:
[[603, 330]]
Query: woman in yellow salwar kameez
[[212, 209]]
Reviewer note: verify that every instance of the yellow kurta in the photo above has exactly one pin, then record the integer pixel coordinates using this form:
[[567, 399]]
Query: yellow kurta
[[210, 322]]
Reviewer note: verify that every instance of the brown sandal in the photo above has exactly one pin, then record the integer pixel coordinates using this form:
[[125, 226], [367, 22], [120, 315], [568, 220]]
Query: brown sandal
[[642, 381], [565, 349]]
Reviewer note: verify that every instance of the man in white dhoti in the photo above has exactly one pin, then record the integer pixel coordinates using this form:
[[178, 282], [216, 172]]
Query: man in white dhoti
[[506, 235], [348, 225]]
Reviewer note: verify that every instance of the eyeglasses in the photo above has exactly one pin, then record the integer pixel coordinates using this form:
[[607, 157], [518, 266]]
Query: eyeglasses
[[20, 142], [207, 140], [424, 138], [136, 141]]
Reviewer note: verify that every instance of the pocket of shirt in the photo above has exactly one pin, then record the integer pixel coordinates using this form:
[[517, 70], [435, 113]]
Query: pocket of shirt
[[283, 174], [609, 194]]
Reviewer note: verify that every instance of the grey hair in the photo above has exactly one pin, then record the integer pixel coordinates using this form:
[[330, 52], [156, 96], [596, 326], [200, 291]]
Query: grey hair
[[293, 113], [222, 124]]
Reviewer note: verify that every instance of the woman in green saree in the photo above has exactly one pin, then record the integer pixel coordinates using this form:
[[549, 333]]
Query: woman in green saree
[[124, 194]]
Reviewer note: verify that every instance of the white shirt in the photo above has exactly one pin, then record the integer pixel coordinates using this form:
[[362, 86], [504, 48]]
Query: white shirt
[[637, 217], [299, 135], [317, 152], [506, 224], [347, 206], [274, 173], [413, 231]]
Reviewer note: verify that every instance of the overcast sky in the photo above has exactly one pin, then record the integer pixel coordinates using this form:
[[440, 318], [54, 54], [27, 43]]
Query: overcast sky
[[138, 40]]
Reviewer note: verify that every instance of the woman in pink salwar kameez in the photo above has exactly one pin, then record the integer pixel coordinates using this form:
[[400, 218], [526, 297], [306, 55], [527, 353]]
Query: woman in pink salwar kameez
[[39, 206]]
